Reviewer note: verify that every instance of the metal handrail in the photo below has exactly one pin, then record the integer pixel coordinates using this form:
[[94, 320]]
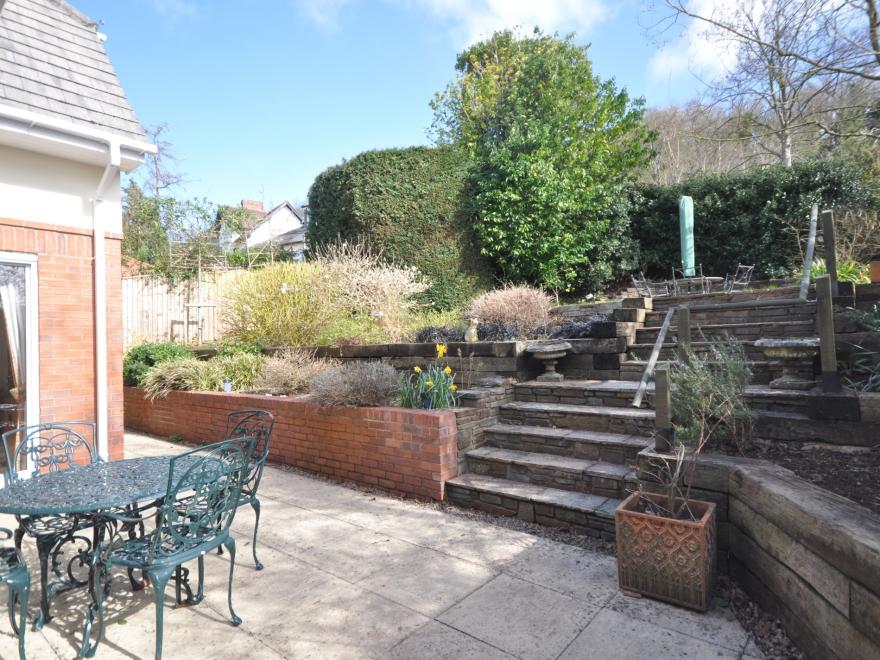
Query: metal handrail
[[667, 320]]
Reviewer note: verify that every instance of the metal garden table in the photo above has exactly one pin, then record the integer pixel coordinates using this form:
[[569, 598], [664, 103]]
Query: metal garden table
[[84, 492]]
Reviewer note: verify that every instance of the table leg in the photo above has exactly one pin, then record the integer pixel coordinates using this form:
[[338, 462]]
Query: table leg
[[99, 588]]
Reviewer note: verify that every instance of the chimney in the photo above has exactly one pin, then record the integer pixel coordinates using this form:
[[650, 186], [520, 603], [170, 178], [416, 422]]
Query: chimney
[[253, 205]]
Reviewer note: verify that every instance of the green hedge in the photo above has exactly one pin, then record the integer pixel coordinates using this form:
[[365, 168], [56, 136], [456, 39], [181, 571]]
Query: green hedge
[[752, 218], [408, 203]]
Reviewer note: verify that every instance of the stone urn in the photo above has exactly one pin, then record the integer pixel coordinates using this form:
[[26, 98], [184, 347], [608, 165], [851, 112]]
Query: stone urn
[[549, 352], [791, 354]]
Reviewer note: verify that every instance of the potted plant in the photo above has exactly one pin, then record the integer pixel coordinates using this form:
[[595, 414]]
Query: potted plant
[[874, 269], [666, 540]]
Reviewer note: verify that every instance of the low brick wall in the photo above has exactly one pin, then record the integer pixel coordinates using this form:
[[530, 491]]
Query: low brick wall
[[409, 452], [808, 556]]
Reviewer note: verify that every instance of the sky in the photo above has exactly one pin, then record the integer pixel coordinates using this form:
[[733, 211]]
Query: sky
[[260, 96]]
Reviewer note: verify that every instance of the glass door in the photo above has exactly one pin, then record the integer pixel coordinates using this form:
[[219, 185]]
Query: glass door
[[18, 340]]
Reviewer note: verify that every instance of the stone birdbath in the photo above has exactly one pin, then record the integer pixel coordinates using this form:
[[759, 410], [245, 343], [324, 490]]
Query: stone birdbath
[[548, 352], [791, 354]]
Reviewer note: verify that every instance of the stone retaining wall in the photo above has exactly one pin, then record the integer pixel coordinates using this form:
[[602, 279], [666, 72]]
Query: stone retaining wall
[[808, 556], [409, 452], [478, 411]]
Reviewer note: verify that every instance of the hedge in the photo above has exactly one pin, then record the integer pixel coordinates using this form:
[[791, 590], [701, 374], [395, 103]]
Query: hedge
[[751, 218], [409, 203]]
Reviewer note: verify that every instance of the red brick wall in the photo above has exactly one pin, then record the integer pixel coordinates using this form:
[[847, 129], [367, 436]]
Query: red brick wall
[[410, 452], [67, 321]]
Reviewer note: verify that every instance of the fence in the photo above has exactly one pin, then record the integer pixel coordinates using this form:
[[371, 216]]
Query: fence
[[155, 309]]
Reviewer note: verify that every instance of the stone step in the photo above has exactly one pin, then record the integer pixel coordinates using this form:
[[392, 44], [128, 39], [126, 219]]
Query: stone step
[[616, 393], [668, 350], [611, 419], [784, 312], [588, 445], [553, 471], [579, 512], [743, 331], [763, 371], [798, 427]]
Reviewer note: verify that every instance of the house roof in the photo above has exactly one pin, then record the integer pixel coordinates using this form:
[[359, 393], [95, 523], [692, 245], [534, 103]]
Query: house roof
[[53, 62], [290, 237]]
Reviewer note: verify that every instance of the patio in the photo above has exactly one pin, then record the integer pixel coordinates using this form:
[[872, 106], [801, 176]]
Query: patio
[[355, 575]]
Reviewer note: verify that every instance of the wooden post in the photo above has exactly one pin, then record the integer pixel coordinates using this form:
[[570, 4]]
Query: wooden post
[[684, 333], [663, 411], [827, 348], [830, 249]]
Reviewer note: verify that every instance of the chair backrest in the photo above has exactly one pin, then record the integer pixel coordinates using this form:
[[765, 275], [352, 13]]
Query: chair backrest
[[201, 498], [50, 447], [743, 274], [256, 424], [641, 285]]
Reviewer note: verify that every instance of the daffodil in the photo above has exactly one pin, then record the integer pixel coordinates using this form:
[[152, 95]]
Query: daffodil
[[418, 370], [429, 383], [447, 370], [441, 351], [453, 388]]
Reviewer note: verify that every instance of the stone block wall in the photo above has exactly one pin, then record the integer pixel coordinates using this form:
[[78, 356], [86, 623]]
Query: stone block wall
[[478, 411], [808, 556], [408, 452]]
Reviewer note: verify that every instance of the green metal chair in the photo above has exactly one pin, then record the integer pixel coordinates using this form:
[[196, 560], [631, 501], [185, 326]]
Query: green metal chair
[[51, 448], [14, 573], [255, 424], [193, 519]]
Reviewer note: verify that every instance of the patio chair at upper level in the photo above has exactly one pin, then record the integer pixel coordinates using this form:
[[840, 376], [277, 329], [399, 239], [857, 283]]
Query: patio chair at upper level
[[50, 448], [193, 519], [14, 573], [705, 285], [740, 279], [648, 289]]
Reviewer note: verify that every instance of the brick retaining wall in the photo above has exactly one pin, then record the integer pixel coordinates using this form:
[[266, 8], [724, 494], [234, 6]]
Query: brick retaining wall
[[409, 452]]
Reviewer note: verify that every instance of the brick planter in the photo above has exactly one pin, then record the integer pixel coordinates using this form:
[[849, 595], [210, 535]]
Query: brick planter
[[409, 452], [667, 559]]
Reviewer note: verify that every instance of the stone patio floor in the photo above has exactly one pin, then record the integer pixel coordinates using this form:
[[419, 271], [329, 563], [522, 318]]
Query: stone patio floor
[[354, 575]]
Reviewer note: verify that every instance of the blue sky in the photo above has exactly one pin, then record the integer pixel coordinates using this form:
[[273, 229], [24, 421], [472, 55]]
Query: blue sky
[[261, 96]]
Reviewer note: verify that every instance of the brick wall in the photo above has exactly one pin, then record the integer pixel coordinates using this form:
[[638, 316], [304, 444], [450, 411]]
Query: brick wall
[[409, 452], [66, 321]]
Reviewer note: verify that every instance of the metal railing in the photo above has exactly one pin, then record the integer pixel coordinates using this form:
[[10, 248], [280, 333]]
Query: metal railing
[[800, 300]]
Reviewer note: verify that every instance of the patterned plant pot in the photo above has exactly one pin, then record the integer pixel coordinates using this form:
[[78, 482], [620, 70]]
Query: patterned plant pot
[[666, 559]]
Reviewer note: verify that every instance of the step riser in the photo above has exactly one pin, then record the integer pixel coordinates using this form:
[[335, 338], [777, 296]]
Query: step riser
[[761, 374], [741, 334], [579, 522], [613, 399], [605, 486], [590, 451], [670, 353], [577, 421], [731, 317]]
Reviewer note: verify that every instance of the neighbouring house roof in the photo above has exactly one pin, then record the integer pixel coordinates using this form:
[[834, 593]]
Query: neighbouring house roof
[[53, 62], [292, 237]]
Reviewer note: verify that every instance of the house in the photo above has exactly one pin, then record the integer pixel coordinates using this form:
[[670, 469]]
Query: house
[[67, 132], [251, 226]]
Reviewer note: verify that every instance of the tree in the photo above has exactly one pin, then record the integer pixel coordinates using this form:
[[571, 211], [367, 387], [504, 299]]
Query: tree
[[553, 146]]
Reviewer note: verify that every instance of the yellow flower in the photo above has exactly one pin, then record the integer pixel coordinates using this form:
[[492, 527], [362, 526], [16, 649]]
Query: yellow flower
[[453, 388], [447, 370], [418, 370], [441, 351], [430, 383]]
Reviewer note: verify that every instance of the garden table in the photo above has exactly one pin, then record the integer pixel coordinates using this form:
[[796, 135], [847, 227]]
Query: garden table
[[84, 492]]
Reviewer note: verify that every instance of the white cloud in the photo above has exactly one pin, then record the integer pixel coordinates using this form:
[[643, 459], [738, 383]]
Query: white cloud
[[698, 49], [471, 20]]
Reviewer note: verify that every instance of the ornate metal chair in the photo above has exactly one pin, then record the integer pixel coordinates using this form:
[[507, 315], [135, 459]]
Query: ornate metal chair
[[647, 289], [255, 424], [739, 279], [51, 448], [193, 519], [14, 573]]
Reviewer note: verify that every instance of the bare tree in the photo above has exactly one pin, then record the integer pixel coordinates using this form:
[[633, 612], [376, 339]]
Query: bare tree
[[160, 175]]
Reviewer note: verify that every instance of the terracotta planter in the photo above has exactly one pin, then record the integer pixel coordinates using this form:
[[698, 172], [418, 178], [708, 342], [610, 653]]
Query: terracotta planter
[[671, 560], [874, 270]]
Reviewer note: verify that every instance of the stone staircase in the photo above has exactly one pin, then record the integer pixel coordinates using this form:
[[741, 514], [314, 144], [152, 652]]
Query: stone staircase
[[561, 454]]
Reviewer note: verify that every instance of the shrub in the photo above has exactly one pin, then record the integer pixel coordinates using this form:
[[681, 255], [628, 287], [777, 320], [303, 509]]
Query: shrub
[[758, 217], [432, 387], [235, 347], [522, 307], [441, 335], [708, 396], [848, 270], [355, 384], [288, 304], [408, 204], [242, 370], [139, 359], [291, 370], [192, 374]]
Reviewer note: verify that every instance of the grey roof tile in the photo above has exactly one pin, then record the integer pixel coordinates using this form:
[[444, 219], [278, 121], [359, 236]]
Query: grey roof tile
[[52, 62]]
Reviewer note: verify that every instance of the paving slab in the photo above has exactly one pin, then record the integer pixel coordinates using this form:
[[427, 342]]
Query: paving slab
[[354, 575]]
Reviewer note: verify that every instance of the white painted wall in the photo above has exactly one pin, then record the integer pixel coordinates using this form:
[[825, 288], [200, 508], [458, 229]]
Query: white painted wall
[[274, 224], [39, 188]]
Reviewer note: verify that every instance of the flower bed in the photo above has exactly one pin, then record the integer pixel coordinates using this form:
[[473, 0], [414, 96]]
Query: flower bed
[[409, 452]]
